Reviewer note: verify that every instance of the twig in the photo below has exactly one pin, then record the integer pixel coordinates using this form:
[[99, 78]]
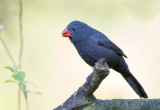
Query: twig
[[21, 49], [19, 97], [21, 33], [7, 50], [26, 100]]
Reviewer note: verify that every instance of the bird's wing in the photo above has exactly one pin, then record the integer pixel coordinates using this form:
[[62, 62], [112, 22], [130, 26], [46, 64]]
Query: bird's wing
[[105, 42]]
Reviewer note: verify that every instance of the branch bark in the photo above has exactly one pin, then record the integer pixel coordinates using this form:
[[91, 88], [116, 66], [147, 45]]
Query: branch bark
[[84, 99]]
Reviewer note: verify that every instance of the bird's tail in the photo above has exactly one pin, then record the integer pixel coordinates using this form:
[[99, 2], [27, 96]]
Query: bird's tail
[[136, 86], [123, 69]]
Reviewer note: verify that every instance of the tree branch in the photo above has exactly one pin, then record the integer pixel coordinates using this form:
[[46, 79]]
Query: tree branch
[[84, 95], [84, 99]]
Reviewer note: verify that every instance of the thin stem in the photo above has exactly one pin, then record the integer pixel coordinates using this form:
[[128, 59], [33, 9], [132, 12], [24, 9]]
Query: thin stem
[[21, 48], [7, 50], [19, 97], [26, 100], [21, 33]]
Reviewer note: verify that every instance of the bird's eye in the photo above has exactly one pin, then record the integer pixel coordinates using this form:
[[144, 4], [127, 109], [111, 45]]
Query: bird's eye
[[74, 29]]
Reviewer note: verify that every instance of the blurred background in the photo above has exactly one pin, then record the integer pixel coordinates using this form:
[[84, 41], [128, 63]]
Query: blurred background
[[53, 64]]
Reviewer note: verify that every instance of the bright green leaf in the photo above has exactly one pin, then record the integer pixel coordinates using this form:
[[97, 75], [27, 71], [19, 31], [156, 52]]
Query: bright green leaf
[[10, 81], [19, 76], [13, 69]]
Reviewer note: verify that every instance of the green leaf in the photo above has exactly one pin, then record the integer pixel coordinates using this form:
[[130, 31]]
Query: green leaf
[[2, 27], [24, 87], [10, 81], [12, 69], [19, 76], [24, 90], [39, 93], [28, 82]]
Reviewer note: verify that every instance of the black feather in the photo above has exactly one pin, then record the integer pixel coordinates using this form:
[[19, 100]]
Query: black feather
[[93, 45]]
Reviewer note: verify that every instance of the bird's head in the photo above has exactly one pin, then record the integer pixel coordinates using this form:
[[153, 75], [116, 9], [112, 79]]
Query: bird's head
[[75, 31]]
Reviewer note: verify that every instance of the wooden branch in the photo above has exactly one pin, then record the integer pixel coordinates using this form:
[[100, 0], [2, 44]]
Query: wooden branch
[[127, 104], [84, 99]]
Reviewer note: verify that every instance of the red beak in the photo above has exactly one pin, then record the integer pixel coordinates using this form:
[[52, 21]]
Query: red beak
[[66, 33]]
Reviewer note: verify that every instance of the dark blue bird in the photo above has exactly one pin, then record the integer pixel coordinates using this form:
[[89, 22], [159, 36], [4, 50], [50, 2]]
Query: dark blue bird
[[93, 45]]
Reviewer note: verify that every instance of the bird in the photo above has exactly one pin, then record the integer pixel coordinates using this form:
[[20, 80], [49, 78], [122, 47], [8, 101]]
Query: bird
[[93, 45]]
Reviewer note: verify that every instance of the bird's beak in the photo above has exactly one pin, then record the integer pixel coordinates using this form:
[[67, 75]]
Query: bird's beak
[[66, 33]]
